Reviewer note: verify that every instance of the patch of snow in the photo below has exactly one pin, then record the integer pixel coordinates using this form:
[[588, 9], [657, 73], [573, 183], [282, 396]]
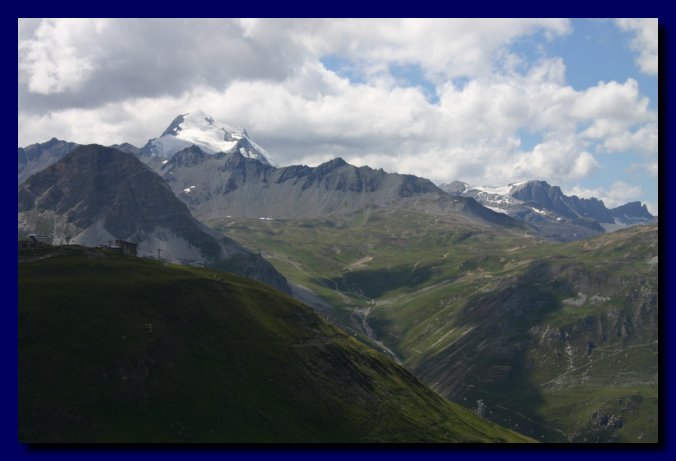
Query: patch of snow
[[493, 190], [496, 209], [495, 198], [569, 352], [502, 190], [579, 301], [599, 299]]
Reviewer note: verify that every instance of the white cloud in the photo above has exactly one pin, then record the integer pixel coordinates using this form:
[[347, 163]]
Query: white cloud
[[618, 194], [81, 63], [644, 42], [644, 140], [443, 47], [471, 134], [652, 168], [558, 160], [99, 61], [53, 58], [612, 100]]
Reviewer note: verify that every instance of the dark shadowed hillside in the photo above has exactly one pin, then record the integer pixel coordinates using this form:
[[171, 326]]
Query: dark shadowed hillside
[[117, 349]]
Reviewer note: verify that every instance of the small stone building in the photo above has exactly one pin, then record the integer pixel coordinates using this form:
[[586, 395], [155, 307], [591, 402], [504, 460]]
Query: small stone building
[[127, 248], [35, 241]]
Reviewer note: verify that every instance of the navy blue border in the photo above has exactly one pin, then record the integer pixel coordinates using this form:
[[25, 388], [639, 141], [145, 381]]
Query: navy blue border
[[9, 447]]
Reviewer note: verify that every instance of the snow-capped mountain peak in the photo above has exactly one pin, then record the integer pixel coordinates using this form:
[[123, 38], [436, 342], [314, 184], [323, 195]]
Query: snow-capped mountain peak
[[537, 202], [199, 129]]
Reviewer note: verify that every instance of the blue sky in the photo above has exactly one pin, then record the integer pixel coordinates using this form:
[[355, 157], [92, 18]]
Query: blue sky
[[572, 102]]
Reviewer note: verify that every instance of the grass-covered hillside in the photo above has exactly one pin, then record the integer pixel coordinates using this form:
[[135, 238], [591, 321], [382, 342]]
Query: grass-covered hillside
[[560, 341], [119, 349]]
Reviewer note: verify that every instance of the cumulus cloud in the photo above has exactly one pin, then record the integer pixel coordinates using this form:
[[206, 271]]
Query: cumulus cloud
[[99, 61], [612, 100], [652, 168], [644, 42], [643, 139], [51, 60], [444, 48], [617, 194], [472, 133], [560, 159]]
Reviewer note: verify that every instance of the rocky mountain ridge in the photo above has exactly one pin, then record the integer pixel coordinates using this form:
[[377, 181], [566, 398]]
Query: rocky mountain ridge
[[556, 214], [96, 194]]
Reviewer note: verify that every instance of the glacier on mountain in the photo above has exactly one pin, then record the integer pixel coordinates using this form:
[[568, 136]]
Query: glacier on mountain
[[198, 129]]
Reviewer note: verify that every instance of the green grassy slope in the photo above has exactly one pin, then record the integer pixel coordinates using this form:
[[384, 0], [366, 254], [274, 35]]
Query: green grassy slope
[[370, 255], [557, 339], [555, 345], [116, 349]]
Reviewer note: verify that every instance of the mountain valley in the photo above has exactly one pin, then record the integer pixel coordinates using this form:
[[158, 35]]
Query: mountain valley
[[545, 334]]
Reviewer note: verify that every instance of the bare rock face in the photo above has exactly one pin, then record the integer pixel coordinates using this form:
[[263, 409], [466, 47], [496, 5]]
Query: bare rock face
[[98, 194], [552, 198], [231, 184]]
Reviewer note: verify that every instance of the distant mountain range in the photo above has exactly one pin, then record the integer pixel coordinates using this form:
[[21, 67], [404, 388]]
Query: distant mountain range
[[557, 215], [190, 129], [96, 194], [220, 171]]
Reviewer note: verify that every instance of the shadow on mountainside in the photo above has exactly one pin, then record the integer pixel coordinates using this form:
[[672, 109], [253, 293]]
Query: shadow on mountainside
[[373, 283], [491, 362]]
